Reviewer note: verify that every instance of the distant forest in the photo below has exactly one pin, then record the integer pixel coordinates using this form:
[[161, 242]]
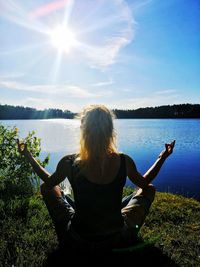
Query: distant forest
[[8, 112], [163, 112]]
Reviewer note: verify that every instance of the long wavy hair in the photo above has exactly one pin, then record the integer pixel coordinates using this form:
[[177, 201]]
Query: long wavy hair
[[97, 135]]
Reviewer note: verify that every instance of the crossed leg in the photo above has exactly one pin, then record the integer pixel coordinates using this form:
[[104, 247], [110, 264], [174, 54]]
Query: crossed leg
[[55, 191], [59, 208], [137, 208]]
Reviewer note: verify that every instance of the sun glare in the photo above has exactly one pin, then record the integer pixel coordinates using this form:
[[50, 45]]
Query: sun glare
[[62, 38]]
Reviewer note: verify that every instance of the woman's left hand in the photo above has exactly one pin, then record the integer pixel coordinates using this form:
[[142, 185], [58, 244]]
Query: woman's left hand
[[22, 148]]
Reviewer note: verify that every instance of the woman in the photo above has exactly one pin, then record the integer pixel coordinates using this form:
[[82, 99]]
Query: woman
[[98, 217]]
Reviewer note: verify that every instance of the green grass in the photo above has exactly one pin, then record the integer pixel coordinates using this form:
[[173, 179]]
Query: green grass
[[26, 241], [173, 226]]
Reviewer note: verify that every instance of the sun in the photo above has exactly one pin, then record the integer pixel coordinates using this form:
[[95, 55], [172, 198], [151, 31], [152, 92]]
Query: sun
[[62, 38]]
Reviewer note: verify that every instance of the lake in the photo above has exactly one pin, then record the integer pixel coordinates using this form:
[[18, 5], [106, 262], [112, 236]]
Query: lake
[[142, 139]]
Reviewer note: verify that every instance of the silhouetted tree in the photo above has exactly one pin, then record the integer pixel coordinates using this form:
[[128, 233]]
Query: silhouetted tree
[[174, 111], [11, 112]]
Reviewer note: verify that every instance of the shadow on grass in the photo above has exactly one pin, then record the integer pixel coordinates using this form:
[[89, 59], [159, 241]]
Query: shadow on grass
[[142, 255]]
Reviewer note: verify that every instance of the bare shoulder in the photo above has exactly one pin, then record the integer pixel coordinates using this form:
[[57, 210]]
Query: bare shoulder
[[68, 158], [66, 162], [130, 164], [128, 159]]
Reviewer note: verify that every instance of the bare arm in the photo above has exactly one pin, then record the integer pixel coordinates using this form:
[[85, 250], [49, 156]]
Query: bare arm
[[51, 180], [154, 170], [147, 178], [38, 169]]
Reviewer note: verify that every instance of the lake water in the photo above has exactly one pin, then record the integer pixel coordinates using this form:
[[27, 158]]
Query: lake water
[[142, 139]]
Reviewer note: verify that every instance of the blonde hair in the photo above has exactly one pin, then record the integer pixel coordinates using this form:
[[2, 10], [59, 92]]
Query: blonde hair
[[97, 135]]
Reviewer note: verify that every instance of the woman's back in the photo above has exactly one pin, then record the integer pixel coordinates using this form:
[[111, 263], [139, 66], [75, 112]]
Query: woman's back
[[105, 175], [98, 200]]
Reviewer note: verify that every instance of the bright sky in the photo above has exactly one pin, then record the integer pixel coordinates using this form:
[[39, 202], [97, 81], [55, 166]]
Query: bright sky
[[124, 54]]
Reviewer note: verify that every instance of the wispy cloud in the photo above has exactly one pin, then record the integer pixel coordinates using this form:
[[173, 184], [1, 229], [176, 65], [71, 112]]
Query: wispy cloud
[[55, 89], [107, 54], [139, 4], [103, 83], [116, 32], [52, 90], [165, 92]]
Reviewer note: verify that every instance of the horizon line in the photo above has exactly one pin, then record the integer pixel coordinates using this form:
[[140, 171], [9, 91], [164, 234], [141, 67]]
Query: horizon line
[[109, 108]]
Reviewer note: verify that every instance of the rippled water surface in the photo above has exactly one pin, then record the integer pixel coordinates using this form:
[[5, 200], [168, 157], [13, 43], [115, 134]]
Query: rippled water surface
[[142, 139]]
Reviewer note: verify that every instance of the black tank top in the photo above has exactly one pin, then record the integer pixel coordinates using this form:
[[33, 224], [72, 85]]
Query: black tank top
[[97, 206]]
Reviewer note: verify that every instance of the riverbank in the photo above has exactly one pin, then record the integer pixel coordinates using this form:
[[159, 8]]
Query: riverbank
[[172, 226]]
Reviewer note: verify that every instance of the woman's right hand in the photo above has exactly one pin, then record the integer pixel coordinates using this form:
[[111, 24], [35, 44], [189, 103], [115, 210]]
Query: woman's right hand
[[168, 150], [22, 148]]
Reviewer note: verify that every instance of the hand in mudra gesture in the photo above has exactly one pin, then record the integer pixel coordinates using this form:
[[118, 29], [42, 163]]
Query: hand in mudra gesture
[[22, 147], [168, 150]]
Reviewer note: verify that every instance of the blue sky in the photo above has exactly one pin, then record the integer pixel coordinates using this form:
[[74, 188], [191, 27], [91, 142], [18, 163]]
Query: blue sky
[[124, 54]]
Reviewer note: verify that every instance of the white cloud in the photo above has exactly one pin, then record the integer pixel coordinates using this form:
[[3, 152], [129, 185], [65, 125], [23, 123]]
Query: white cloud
[[106, 55], [113, 30], [103, 83], [165, 92], [58, 89], [140, 4]]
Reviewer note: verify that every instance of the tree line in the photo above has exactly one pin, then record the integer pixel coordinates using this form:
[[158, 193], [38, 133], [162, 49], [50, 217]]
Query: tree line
[[168, 111], [8, 112]]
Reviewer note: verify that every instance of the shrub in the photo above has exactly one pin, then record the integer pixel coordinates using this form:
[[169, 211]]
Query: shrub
[[18, 184]]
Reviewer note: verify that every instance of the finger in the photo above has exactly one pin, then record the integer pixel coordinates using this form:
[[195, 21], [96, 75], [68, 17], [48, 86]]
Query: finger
[[173, 143], [171, 146]]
